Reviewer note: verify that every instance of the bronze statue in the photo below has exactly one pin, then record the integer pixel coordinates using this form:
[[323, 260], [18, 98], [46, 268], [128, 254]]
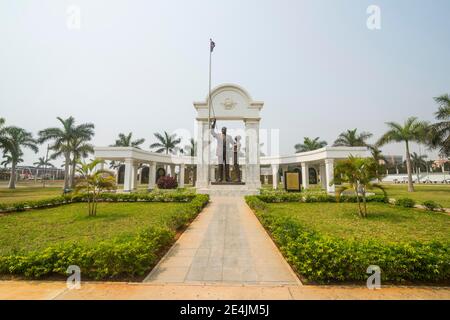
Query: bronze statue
[[224, 152]]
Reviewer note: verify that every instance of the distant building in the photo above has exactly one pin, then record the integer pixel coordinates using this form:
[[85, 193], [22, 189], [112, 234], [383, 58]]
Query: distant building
[[393, 160]]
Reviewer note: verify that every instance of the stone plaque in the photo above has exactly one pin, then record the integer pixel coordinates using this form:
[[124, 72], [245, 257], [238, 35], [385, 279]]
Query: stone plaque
[[292, 181]]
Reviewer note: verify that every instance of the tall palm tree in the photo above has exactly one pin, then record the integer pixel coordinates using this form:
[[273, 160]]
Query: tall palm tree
[[125, 141], [66, 142], [440, 131], [19, 138], [351, 138], [411, 130], [309, 144], [80, 149], [166, 143]]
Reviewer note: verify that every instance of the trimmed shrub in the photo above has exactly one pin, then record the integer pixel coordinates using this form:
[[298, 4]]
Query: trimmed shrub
[[324, 259], [129, 255], [314, 197], [432, 206], [166, 182], [405, 202], [155, 196]]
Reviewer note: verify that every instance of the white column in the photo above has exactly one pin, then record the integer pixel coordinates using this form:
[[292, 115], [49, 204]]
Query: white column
[[140, 174], [329, 169], [323, 179], [181, 175], [252, 154], [305, 175], [151, 175], [244, 173], [275, 168], [172, 170], [134, 170], [127, 183]]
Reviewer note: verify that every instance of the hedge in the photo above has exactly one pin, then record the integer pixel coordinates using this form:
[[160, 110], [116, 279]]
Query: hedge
[[121, 256], [300, 197], [104, 197], [324, 259]]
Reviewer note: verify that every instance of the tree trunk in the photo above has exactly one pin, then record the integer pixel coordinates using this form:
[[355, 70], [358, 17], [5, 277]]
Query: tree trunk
[[364, 202], [408, 169], [357, 200], [66, 170], [72, 173], [12, 178]]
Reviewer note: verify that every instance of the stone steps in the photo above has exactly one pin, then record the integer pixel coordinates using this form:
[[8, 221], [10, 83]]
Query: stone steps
[[228, 190]]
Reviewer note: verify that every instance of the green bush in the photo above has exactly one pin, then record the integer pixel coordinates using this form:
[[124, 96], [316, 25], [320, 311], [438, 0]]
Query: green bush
[[432, 206], [313, 197], [324, 259], [173, 196], [405, 202], [126, 255]]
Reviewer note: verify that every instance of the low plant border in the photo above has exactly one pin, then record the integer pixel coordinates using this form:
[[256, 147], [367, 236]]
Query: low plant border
[[104, 197], [114, 258], [322, 259]]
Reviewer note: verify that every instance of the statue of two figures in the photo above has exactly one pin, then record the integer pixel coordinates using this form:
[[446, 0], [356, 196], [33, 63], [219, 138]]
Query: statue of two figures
[[227, 152]]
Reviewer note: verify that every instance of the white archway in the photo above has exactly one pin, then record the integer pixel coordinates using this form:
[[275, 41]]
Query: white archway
[[229, 102]]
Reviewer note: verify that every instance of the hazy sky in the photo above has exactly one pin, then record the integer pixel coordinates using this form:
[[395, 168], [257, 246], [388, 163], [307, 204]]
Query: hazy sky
[[138, 65]]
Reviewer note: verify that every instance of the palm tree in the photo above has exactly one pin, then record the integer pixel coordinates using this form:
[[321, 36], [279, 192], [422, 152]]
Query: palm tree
[[379, 159], [4, 141], [66, 140], [418, 161], [440, 131], [357, 174], [8, 160], [350, 138], [125, 141], [19, 138], [92, 182], [191, 149], [43, 162], [166, 143], [412, 130], [309, 144], [80, 149]]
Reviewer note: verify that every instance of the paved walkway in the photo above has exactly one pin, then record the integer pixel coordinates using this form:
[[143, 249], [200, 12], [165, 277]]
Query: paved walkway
[[46, 290], [225, 244]]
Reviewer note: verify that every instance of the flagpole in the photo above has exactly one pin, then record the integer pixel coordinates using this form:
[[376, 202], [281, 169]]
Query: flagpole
[[209, 113]]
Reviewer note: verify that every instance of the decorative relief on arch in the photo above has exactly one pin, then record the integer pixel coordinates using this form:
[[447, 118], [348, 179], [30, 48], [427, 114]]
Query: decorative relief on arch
[[229, 102]]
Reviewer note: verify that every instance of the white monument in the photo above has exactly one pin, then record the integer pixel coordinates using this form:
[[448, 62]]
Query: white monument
[[229, 102]]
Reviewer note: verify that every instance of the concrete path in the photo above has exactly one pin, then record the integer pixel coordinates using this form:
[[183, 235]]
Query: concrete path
[[49, 290], [224, 244]]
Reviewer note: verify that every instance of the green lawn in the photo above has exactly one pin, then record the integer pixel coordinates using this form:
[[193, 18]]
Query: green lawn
[[37, 229], [385, 222], [28, 193], [437, 193]]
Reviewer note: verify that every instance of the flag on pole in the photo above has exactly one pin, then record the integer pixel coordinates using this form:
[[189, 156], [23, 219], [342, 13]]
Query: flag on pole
[[212, 44]]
